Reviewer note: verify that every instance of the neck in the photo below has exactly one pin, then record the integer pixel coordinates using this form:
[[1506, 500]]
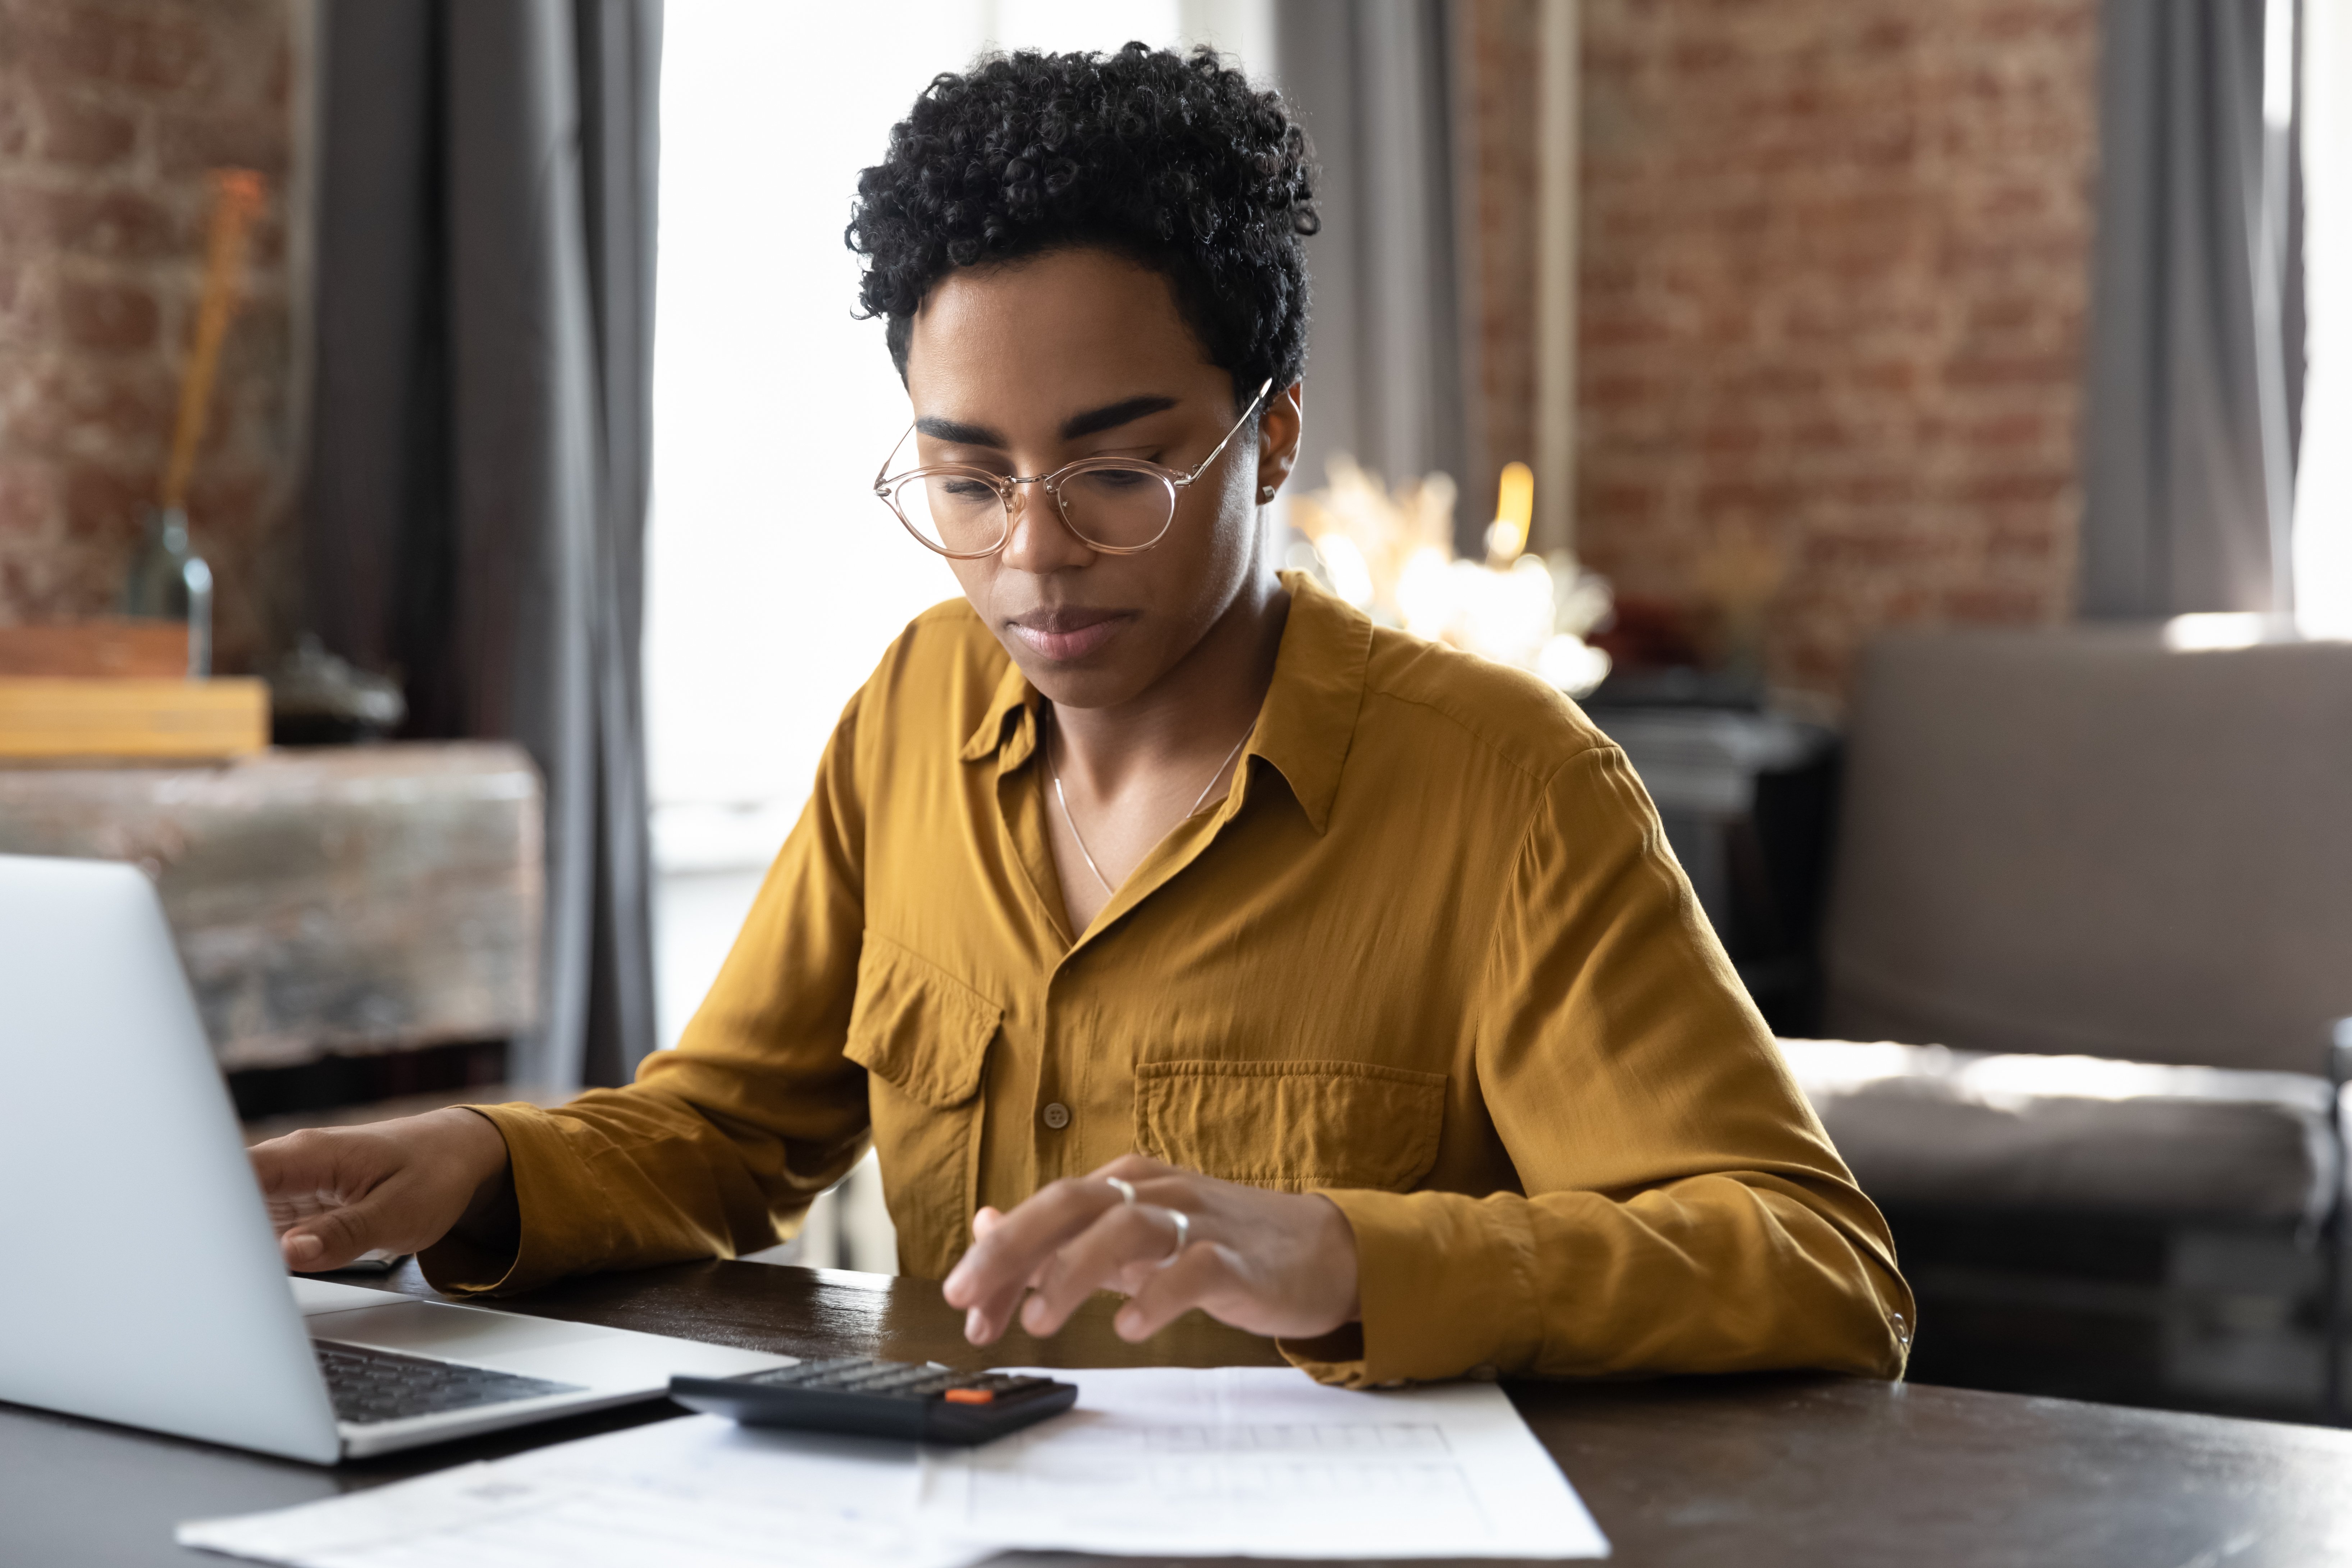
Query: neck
[[1201, 706]]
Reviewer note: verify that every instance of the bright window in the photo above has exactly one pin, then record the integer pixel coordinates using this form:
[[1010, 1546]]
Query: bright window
[[2322, 500]]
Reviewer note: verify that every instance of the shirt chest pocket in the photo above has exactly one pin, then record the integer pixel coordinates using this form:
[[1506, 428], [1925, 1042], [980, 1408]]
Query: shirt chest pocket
[[1292, 1125], [923, 1038], [917, 1027]]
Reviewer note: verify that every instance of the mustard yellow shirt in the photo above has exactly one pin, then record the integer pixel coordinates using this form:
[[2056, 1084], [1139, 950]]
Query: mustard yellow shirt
[[1430, 957]]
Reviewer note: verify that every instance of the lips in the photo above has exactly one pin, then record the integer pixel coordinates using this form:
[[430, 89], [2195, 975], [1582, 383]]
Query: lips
[[1067, 634]]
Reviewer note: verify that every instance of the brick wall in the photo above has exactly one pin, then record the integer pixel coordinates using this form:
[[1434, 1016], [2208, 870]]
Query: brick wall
[[110, 114], [1834, 255]]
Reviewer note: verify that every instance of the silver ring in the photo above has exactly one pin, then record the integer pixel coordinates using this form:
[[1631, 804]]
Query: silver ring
[[1126, 1190], [1183, 1235]]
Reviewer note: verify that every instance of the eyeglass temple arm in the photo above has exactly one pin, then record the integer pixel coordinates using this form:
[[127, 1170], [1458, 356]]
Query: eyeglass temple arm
[[1198, 468], [883, 473]]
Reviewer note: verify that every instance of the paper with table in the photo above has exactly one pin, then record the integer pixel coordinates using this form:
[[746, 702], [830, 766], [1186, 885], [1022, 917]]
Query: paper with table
[[1265, 1463], [1249, 1461]]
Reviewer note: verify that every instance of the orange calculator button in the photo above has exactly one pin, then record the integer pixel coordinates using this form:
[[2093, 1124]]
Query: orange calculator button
[[970, 1396]]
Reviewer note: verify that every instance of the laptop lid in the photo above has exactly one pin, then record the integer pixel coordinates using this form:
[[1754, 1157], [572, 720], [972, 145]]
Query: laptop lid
[[144, 1283]]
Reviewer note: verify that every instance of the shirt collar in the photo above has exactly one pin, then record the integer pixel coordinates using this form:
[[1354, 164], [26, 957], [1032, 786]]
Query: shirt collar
[[1013, 695], [1309, 716], [1305, 728]]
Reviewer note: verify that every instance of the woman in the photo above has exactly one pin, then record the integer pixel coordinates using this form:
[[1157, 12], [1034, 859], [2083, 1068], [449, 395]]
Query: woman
[[1167, 926]]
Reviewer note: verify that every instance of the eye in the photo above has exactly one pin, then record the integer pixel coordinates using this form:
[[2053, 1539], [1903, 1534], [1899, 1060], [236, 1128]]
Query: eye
[[1119, 480], [965, 490]]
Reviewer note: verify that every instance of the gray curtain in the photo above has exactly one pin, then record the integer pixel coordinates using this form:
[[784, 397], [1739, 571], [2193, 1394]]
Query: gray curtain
[[481, 424], [1372, 80], [2187, 459]]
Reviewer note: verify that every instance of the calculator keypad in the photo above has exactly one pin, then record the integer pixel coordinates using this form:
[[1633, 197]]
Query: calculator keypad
[[855, 1397], [896, 1380]]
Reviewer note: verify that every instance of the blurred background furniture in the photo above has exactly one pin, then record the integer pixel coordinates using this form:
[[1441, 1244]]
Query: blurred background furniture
[[2096, 893], [1748, 801], [358, 923]]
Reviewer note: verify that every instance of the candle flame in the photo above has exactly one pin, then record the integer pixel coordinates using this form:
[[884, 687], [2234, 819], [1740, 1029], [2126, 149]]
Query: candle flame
[[1515, 508]]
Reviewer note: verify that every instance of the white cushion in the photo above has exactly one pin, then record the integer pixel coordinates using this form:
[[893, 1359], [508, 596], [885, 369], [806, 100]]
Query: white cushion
[[1924, 1124]]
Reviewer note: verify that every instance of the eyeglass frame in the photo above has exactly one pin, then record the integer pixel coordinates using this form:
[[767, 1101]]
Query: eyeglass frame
[[1008, 485]]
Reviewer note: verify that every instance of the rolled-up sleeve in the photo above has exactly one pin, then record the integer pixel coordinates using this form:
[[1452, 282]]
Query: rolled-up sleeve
[[1681, 1209]]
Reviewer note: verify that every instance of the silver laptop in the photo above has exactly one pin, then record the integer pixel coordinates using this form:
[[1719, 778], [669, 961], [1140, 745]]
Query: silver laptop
[[143, 1283]]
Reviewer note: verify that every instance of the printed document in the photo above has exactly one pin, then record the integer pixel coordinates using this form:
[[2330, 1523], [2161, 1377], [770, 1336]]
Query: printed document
[[1249, 1461], [1261, 1462]]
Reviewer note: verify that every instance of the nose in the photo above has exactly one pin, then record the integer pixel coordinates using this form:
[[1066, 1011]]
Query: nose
[[1037, 540]]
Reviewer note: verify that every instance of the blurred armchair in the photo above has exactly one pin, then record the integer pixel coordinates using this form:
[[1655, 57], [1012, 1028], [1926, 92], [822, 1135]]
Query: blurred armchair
[[2090, 925]]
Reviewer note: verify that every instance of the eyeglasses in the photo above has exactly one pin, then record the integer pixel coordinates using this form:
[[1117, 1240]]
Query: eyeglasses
[[1120, 506]]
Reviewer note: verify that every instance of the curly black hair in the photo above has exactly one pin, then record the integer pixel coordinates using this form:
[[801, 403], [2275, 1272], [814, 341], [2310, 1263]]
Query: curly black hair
[[1177, 164]]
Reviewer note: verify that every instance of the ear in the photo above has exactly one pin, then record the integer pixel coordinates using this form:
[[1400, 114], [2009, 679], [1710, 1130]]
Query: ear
[[1278, 438]]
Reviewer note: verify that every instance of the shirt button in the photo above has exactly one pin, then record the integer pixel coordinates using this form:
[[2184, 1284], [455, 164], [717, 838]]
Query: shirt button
[[1058, 1116]]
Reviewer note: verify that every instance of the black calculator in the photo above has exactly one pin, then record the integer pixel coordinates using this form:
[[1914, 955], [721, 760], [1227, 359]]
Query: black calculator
[[880, 1399]]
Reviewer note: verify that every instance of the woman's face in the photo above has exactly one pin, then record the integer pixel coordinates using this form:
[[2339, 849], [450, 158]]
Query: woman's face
[[1080, 354]]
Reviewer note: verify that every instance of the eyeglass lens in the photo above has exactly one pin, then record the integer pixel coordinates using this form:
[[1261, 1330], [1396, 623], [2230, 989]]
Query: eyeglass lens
[[1115, 505]]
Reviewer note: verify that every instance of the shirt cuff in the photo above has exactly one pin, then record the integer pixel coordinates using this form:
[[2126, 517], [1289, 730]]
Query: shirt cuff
[[548, 1187], [1446, 1286]]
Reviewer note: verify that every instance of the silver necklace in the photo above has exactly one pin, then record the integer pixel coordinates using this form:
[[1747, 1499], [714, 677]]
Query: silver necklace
[[1054, 768]]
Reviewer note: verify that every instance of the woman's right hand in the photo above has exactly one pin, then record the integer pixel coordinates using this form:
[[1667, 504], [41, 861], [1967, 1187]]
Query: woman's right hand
[[337, 1192]]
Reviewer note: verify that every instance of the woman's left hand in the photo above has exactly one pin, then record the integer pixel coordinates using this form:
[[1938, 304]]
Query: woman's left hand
[[1271, 1263]]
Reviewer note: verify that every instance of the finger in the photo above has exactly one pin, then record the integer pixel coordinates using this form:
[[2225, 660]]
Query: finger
[[998, 1265], [992, 1290], [299, 1161], [1013, 1254], [1202, 1272], [1098, 1258], [986, 1322], [334, 1238], [269, 1165], [1137, 1168], [985, 1220], [975, 1323]]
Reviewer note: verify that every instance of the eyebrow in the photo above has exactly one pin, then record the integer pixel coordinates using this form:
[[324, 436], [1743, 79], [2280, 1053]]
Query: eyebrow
[[1096, 420], [1093, 422]]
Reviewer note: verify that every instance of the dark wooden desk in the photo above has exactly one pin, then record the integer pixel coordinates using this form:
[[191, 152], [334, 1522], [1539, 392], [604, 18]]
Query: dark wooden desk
[[1751, 1472]]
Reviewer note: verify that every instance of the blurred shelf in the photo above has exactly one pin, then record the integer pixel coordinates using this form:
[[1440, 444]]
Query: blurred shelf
[[330, 901]]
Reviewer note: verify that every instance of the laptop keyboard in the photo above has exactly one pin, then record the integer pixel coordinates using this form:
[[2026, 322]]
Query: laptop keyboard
[[368, 1387]]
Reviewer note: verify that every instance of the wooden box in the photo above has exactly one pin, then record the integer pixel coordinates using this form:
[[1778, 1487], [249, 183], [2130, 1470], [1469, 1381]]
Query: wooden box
[[48, 720]]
